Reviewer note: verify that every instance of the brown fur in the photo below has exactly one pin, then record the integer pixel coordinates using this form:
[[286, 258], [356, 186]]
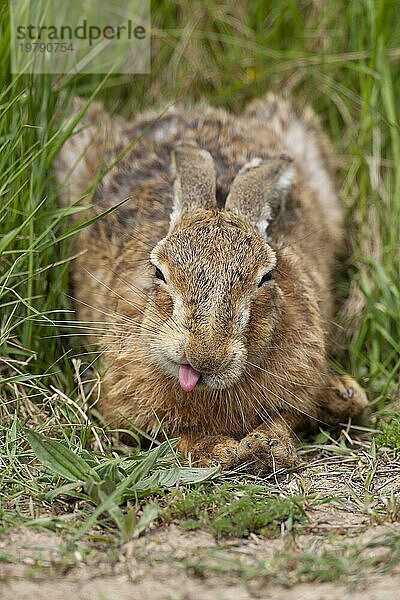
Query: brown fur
[[262, 351]]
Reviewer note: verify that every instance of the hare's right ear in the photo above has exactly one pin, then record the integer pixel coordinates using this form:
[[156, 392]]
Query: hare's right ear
[[259, 189], [194, 180]]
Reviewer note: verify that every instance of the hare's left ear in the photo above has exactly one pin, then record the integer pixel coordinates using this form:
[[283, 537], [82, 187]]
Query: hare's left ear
[[259, 189], [194, 180]]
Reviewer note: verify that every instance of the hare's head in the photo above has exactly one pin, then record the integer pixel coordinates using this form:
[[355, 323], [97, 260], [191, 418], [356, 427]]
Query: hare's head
[[216, 300]]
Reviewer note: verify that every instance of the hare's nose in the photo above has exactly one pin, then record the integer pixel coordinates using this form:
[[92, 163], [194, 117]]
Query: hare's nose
[[207, 362]]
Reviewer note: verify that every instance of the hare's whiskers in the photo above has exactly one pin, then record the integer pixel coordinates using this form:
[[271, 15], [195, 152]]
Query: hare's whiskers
[[307, 385], [136, 327], [301, 239], [295, 396], [136, 289], [149, 354], [237, 398], [292, 406], [136, 307], [125, 318], [262, 411], [270, 418]]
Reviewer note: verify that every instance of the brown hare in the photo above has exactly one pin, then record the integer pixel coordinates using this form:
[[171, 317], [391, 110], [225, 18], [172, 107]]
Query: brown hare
[[208, 292]]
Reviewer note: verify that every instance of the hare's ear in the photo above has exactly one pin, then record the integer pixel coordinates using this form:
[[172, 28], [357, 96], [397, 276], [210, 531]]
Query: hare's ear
[[194, 180], [259, 189]]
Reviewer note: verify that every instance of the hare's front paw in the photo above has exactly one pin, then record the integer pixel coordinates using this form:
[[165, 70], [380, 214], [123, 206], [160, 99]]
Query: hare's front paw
[[346, 399], [266, 451], [206, 451], [225, 453]]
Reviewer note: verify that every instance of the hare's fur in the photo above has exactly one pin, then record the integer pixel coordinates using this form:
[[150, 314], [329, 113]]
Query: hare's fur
[[216, 201]]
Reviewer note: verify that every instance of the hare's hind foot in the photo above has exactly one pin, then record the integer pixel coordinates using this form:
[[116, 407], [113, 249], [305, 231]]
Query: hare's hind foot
[[344, 398], [266, 449]]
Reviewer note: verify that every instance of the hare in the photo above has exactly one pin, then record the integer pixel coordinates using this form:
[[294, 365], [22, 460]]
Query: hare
[[209, 291]]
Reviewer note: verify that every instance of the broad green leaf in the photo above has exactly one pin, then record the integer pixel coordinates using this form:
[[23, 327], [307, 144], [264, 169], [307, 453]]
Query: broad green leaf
[[131, 520], [170, 477], [68, 489], [111, 471], [114, 510], [59, 458], [141, 469], [99, 490], [150, 513], [142, 466]]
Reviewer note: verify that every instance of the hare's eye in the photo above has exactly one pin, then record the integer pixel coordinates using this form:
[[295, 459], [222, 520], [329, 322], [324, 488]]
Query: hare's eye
[[160, 275], [266, 277]]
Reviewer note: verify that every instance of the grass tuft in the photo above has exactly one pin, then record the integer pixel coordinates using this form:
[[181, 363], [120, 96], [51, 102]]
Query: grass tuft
[[235, 511]]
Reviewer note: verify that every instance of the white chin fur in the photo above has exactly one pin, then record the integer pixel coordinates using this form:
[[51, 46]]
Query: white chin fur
[[219, 381]]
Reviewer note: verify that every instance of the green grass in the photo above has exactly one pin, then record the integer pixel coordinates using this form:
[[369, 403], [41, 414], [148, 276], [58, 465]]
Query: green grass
[[235, 510], [290, 565], [390, 435], [228, 53]]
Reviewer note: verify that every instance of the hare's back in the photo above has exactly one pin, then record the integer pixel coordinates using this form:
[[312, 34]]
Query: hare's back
[[145, 176], [266, 129]]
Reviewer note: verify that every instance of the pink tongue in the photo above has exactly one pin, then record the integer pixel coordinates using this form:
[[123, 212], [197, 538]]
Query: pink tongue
[[188, 377]]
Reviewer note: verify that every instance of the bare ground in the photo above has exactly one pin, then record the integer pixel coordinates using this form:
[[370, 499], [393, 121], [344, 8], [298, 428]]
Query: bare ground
[[170, 564], [155, 568]]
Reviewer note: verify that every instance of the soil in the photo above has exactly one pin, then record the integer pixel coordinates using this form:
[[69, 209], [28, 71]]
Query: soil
[[168, 563], [151, 568]]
